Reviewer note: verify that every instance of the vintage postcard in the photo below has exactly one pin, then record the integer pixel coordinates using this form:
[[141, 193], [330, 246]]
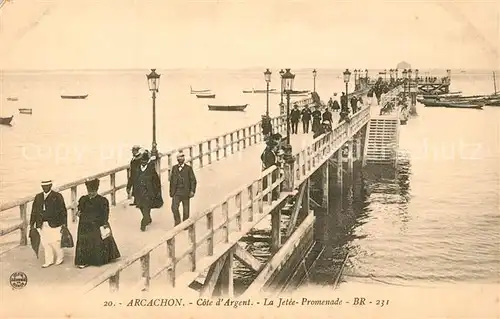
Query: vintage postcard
[[290, 159]]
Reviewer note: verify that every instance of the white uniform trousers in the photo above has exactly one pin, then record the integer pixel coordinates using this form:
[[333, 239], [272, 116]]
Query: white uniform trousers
[[51, 241]]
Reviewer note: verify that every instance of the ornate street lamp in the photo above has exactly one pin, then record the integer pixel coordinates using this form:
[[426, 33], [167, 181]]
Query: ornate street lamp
[[314, 80], [396, 73], [366, 73], [267, 76], [385, 75], [409, 80], [287, 81], [281, 75], [405, 74], [347, 76], [154, 85]]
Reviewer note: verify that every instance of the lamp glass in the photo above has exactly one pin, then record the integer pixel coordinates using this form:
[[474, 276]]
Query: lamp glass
[[288, 79], [267, 75], [153, 80], [347, 76]]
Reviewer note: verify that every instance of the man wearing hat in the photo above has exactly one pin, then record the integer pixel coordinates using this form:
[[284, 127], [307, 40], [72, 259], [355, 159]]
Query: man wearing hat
[[182, 188], [48, 214], [135, 163]]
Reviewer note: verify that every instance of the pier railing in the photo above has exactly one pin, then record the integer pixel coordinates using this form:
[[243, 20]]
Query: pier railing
[[198, 155], [245, 207]]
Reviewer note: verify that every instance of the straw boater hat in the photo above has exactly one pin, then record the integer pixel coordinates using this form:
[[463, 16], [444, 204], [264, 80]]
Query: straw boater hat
[[46, 182]]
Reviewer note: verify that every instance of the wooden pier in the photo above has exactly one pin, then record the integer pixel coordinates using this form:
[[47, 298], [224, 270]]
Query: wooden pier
[[198, 256]]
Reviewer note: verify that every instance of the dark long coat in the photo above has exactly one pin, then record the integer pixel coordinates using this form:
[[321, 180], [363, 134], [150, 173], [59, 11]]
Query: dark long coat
[[55, 213], [91, 249], [147, 187]]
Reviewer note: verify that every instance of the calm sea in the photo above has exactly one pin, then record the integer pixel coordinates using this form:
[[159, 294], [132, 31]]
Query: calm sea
[[433, 220]]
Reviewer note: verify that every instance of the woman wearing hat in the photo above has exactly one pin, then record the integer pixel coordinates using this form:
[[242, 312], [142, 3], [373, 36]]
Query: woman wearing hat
[[92, 247]]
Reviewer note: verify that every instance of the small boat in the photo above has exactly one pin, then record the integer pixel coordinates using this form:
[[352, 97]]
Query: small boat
[[258, 91], [464, 105], [240, 107], [6, 120], [74, 97], [247, 91], [437, 96], [205, 96], [197, 91], [12, 99], [25, 111]]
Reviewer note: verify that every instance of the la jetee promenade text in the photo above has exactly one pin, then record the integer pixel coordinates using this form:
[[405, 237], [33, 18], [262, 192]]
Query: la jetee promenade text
[[235, 303]]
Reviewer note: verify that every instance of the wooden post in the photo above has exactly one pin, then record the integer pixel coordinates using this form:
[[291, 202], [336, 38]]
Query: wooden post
[[192, 241], [232, 142], [191, 153], [24, 226], [224, 141], [129, 195], [145, 271], [74, 202], [340, 165], [275, 230], [255, 134], [112, 182], [200, 154], [304, 210], [173, 260], [225, 214], [114, 282], [239, 210], [238, 140], [251, 205], [169, 164], [210, 229], [210, 152], [326, 189], [244, 138], [217, 151], [350, 157], [158, 165], [288, 167], [226, 275], [365, 143]]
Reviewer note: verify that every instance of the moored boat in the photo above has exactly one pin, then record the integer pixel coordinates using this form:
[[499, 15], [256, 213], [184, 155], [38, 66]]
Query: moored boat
[[205, 96], [75, 97], [464, 105], [198, 91], [12, 99], [240, 107], [25, 111], [6, 120]]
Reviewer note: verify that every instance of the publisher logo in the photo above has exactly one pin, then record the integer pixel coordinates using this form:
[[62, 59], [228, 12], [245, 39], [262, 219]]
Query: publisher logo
[[18, 280]]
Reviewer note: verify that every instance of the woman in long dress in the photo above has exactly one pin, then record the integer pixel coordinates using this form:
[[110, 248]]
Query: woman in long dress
[[93, 210]]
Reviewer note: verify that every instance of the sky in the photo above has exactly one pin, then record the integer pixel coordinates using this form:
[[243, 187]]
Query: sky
[[130, 34]]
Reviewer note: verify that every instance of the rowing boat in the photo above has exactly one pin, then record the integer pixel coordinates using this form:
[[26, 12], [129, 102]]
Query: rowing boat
[[205, 96], [227, 107]]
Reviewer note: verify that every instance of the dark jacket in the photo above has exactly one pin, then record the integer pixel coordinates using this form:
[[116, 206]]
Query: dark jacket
[[306, 114], [147, 187], [336, 105], [327, 115], [182, 182], [295, 115], [268, 158], [55, 213], [135, 163]]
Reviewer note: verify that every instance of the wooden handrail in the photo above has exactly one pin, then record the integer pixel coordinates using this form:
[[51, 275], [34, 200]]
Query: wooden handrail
[[207, 152], [322, 147]]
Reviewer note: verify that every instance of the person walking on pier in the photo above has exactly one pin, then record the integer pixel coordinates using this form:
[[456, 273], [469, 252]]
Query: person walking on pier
[[135, 163], [270, 158], [147, 189], [316, 116], [95, 245], [182, 188], [354, 104], [343, 101], [295, 118], [327, 115], [336, 105], [48, 215], [306, 118], [267, 127]]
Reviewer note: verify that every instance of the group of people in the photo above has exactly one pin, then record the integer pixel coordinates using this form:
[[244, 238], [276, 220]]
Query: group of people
[[95, 245]]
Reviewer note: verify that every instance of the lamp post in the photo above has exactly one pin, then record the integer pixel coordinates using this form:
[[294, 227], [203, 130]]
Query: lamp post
[[355, 79], [409, 81], [267, 76], [347, 76], [281, 75], [385, 75], [154, 84], [314, 79], [396, 73], [287, 81], [405, 73]]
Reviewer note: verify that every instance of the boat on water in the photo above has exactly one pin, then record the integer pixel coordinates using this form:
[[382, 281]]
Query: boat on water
[[6, 120], [258, 91], [25, 111], [205, 96], [240, 107], [464, 105], [12, 99], [198, 91], [75, 97], [437, 96]]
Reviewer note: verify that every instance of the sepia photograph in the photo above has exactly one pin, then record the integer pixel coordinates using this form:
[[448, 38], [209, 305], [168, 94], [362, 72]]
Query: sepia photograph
[[249, 158]]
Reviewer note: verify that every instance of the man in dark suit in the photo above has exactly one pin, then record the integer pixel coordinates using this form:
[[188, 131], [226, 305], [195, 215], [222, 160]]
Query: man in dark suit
[[48, 214], [135, 163], [182, 188], [295, 118]]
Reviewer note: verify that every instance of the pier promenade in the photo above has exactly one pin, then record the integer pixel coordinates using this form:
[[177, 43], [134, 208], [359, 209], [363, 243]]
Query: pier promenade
[[227, 205]]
